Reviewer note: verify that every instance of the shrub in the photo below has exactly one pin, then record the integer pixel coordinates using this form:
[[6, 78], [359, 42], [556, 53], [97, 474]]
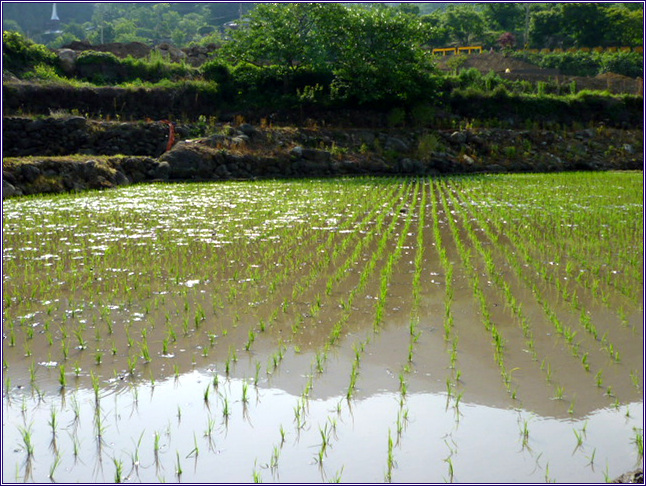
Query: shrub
[[428, 143], [216, 71], [20, 54]]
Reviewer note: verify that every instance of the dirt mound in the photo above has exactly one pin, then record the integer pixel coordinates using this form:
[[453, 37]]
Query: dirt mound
[[615, 77], [498, 63], [119, 49]]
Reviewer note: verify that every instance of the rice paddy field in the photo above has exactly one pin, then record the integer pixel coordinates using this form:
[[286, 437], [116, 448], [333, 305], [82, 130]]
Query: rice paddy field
[[462, 329]]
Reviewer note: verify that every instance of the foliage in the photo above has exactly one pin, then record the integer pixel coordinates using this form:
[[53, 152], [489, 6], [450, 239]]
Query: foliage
[[20, 54], [370, 53], [507, 40], [588, 63], [106, 68]]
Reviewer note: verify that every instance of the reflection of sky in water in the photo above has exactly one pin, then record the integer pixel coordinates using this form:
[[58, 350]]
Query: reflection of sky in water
[[484, 445]]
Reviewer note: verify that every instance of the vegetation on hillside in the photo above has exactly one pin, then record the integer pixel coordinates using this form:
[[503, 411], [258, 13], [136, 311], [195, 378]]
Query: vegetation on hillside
[[327, 55]]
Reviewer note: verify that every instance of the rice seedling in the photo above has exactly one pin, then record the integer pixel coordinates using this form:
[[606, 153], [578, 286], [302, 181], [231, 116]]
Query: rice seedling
[[273, 463], [390, 462], [579, 438], [54, 466], [118, 470], [53, 421], [178, 466], [196, 450], [638, 440], [25, 433], [226, 411]]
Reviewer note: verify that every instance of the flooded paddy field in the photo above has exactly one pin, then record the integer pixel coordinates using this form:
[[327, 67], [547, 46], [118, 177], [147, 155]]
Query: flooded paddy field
[[465, 329]]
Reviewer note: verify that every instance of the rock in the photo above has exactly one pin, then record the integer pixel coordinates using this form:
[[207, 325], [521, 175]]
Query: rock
[[67, 59], [396, 144], [458, 137], [172, 52], [411, 166], [75, 123], [240, 141], [9, 190], [319, 156], [248, 130], [162, 171], [628, 149], [467, 160], [495, 168], [367, 138], [28, 172], [185, 161], [633, 477], [120, 179]]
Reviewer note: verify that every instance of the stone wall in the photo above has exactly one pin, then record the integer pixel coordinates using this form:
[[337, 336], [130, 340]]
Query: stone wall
[[75, 135]]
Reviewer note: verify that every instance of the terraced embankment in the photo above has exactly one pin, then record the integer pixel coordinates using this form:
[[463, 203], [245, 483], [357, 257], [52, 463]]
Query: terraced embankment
[[72, 153]]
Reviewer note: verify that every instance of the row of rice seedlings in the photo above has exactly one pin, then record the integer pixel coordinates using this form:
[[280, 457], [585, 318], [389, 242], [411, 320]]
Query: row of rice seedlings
[[465, 255], [308, 282], [402, 412], [327, 432], [387, 270], [562, 330], [316, 268], [592, 223], [565, 332], [501, 283]]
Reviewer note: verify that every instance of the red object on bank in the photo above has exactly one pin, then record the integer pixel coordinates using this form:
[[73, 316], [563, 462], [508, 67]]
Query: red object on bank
[[171, 134]]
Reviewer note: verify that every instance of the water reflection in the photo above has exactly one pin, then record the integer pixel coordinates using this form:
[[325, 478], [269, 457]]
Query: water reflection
[[153, 430]]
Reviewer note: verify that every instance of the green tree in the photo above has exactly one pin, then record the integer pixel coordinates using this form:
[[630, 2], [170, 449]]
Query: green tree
[[585, 23], [379, 55], [625, 27], [546, 29], [436, 34], [464, 23], [504, 16], [290, 35]]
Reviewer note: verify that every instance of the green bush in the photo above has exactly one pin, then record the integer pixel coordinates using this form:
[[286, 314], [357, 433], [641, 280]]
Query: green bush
[[625, 63], [589, 63], [106, 68], [216, 71], [20, 54]]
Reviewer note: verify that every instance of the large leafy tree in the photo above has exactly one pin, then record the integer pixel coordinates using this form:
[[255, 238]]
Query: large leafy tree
[[464, 23], [504, 16], [584, 23], [380, 55], [290, 35], [372, 52]]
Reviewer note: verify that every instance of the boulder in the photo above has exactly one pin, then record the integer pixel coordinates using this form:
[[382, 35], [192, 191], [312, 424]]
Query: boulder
[[411, 166], [9, 190], [458, 137], [162, 171], [67, 58], [171, 52], [28, 172], [187, 161], [75, 123], [248, 130], [313, 155], [396, 144]]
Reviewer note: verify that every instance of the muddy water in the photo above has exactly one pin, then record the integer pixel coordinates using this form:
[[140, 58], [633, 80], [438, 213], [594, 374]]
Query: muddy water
[[157, 290]]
